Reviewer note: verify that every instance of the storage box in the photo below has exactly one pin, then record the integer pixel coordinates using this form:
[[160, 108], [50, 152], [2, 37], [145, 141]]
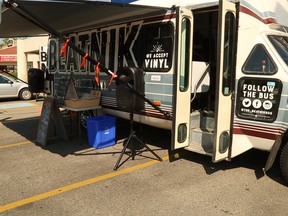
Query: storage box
[[82, 103], [91, 100], [101, 131]]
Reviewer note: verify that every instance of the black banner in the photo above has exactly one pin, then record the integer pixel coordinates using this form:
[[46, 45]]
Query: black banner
[[158, 55], [258, 99]]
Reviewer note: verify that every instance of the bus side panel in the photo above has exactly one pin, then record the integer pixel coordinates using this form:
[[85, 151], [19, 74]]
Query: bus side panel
[[147, 44], [261, 81]]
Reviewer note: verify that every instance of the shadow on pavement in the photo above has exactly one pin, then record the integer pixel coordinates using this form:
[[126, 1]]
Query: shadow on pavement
[[159, 139], [28, 127], [254, 160], [156, 138]]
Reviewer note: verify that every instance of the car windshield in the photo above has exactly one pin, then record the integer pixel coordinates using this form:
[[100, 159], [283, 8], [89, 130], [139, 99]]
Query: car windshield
[[10, 77], [280, 43]]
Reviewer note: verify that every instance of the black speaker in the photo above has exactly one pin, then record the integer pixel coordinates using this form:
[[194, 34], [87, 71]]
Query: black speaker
[[36, 80], [126, 99]]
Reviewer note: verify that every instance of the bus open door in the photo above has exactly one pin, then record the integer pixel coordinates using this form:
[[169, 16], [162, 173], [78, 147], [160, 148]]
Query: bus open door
[[225, 79], [182, 90]]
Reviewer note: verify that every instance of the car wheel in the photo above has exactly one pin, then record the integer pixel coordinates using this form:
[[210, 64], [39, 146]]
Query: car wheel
[[25, 94]]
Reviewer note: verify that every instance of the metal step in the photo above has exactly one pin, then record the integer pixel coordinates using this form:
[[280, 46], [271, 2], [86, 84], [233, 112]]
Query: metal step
[[197, 120], [194, 147], [201, 141]]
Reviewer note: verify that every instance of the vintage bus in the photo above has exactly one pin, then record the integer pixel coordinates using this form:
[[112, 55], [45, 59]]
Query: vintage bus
[[215, 73]]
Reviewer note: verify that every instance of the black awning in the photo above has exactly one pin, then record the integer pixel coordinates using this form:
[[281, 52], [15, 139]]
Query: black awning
[[66, 16]]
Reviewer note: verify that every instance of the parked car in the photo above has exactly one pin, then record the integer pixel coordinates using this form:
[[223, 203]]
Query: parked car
[[12, 88]]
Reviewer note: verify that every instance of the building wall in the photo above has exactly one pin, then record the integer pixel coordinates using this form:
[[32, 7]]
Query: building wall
[[28, 54]]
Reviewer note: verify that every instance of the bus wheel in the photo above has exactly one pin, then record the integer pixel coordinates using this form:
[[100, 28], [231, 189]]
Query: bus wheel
[[284, 161]]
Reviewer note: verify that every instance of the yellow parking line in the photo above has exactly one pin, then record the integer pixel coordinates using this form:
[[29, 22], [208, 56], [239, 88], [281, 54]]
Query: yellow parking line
[[76, 185], [15, 144]]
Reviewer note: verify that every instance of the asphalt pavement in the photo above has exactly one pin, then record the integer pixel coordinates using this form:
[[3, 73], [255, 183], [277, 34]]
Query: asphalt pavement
[[66, 178]]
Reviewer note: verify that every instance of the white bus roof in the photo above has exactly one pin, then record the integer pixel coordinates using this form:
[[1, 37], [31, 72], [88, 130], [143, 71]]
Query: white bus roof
[[71, 15], [169, 3], [268, 11]]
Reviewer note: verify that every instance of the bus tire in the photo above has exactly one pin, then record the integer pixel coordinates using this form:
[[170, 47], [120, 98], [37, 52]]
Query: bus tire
[[284, 161]]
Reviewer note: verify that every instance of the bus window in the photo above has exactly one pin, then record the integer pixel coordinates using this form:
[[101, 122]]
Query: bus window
[[259, 62], [229, 46], [185, 52], [280, 43]]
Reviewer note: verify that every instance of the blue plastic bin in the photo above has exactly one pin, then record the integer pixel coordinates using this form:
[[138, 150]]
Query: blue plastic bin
[[101, 131]]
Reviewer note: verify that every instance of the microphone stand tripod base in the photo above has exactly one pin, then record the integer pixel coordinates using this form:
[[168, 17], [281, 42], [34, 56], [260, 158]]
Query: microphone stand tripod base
[[130, 144]]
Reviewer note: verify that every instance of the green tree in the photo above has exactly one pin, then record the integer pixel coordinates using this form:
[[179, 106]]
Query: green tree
[[6, 42]]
